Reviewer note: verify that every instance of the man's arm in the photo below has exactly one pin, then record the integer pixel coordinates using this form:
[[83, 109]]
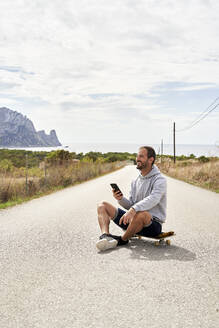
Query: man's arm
[[159, 189], [123, 201], [127, 203], [128, 216]]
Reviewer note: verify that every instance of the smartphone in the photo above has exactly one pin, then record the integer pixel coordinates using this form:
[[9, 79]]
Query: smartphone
[[115, 187]]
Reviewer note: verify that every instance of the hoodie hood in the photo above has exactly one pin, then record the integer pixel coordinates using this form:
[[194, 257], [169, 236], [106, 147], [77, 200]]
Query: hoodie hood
[[154, 171]]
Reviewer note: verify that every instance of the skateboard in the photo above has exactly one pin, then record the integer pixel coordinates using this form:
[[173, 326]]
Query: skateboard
[[161, 238]]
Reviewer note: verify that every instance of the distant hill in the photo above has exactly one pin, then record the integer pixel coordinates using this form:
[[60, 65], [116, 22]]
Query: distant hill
[[17, 130]]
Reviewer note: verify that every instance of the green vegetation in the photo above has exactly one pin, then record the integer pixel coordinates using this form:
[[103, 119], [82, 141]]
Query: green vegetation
[[201, 159], [18, 157], [26, 174], [202, 171]]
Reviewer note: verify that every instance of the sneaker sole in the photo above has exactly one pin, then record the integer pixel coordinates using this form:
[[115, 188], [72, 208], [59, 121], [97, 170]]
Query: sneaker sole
[[104, 244]]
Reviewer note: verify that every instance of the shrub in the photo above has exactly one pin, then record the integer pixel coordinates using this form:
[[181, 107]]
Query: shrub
[[181, 158], [5, 193], [56, 176], [32, 187], [203, 159], [184, 164], [6, 165], [67, 182], [35, 172]]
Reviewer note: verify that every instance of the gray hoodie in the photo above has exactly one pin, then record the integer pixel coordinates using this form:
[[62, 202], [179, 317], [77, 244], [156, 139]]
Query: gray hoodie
[[148, 193]]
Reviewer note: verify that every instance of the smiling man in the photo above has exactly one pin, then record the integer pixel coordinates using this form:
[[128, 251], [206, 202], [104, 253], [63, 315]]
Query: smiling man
[[146, 205]]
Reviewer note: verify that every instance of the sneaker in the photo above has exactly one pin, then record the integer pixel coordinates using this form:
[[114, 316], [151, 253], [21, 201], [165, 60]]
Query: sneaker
[[106, 241], [120, 241]]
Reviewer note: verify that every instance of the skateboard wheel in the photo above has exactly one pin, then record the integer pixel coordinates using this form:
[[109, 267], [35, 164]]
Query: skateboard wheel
[[156, 243], [168, 242]]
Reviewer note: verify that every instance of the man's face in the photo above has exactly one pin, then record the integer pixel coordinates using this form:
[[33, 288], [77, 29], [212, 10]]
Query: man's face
[[142, 159]]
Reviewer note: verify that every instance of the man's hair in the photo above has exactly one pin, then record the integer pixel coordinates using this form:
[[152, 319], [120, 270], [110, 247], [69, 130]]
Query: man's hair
[[151, 152]]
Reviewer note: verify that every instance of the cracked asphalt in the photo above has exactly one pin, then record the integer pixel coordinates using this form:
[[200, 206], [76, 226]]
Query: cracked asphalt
[[51, 274]]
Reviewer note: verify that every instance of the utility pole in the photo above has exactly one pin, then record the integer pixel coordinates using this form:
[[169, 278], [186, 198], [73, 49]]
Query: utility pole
[[174, 142], [161, 150], [45, 169], [26, 173]]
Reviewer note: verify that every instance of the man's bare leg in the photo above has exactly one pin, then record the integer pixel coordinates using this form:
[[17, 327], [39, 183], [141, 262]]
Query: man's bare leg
[[106, 212], [140, 220]]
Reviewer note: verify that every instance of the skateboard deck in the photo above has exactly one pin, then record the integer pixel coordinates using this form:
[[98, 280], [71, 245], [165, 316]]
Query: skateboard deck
[[161, 238]]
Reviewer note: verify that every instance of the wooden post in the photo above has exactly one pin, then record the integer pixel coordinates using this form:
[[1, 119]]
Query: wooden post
[[174, 142], [26, 173], [45, 170], [161, 150]]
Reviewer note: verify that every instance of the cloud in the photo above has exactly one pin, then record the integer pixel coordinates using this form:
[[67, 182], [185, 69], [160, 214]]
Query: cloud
[[97, 61], [104, 95], [70, 105], [14, 69], [7, 86], [183, 86]]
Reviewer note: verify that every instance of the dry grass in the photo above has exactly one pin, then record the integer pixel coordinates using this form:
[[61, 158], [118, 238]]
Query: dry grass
[[13, 186], [205, 175]]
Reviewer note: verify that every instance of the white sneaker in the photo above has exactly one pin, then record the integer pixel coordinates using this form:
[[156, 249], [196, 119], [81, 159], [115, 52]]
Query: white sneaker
[[106, 242]]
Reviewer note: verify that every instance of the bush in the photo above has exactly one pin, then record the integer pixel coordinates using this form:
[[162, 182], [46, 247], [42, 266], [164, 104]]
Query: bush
[[184, 164], [203, 159], [67, 182], [32, 187], [6, 165], [181, 158], [5, 192], [35, 172], [61, 170]]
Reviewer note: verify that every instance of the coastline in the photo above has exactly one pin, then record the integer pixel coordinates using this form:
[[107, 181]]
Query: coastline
[[181, 149]]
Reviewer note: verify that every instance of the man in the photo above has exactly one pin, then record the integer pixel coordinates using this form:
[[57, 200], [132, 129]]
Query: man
[[146, 205]]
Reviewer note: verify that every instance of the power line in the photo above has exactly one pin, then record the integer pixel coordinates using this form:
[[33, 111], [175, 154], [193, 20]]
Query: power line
[[208, 107], [206, 112], [197, 121]]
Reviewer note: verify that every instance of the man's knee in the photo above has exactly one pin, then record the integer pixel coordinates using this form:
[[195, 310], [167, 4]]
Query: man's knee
[[106, 207], [102, 205], [143, 217]]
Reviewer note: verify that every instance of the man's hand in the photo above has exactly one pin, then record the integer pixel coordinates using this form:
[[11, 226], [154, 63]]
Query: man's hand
[[117, 195], [127, 217]]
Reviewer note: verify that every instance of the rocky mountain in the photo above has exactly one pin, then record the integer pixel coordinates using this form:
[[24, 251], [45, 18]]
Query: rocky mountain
[[17, 130]]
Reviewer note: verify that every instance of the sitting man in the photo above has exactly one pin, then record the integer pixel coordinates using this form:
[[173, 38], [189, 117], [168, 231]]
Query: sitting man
[[146, 205]]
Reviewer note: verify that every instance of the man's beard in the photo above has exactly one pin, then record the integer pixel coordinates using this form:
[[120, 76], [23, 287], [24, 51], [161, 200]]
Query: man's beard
[[142, 165]]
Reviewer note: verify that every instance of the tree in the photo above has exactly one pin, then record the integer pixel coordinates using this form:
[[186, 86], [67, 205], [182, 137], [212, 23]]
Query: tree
[[58, 157], [6, 165]]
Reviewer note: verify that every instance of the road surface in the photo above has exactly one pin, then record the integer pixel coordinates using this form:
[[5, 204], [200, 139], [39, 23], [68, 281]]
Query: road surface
[[51, 274]]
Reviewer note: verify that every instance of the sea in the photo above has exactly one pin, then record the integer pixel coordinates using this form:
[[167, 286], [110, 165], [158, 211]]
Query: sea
[[187, 149]]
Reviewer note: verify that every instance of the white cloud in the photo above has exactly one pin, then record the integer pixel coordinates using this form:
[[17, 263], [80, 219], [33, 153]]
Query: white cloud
[[62, 52]]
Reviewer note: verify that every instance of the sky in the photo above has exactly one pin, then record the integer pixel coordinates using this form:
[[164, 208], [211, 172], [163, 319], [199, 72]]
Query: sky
[[119, 71]]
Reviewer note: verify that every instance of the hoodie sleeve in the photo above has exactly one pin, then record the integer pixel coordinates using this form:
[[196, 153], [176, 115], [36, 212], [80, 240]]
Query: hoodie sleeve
[[127, 203], [154, 198]]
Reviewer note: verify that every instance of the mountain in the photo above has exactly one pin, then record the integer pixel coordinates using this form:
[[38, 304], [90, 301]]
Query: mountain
[[17, 130]]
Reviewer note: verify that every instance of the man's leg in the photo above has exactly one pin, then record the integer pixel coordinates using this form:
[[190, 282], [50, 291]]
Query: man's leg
[[106, 212], [140, 220]]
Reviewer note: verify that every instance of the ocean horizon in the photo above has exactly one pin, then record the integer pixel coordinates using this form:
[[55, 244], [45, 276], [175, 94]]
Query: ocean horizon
[[181, 149]]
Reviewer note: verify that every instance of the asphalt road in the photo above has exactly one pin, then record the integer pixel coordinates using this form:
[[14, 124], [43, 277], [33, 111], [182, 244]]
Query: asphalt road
[[51, 274]]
